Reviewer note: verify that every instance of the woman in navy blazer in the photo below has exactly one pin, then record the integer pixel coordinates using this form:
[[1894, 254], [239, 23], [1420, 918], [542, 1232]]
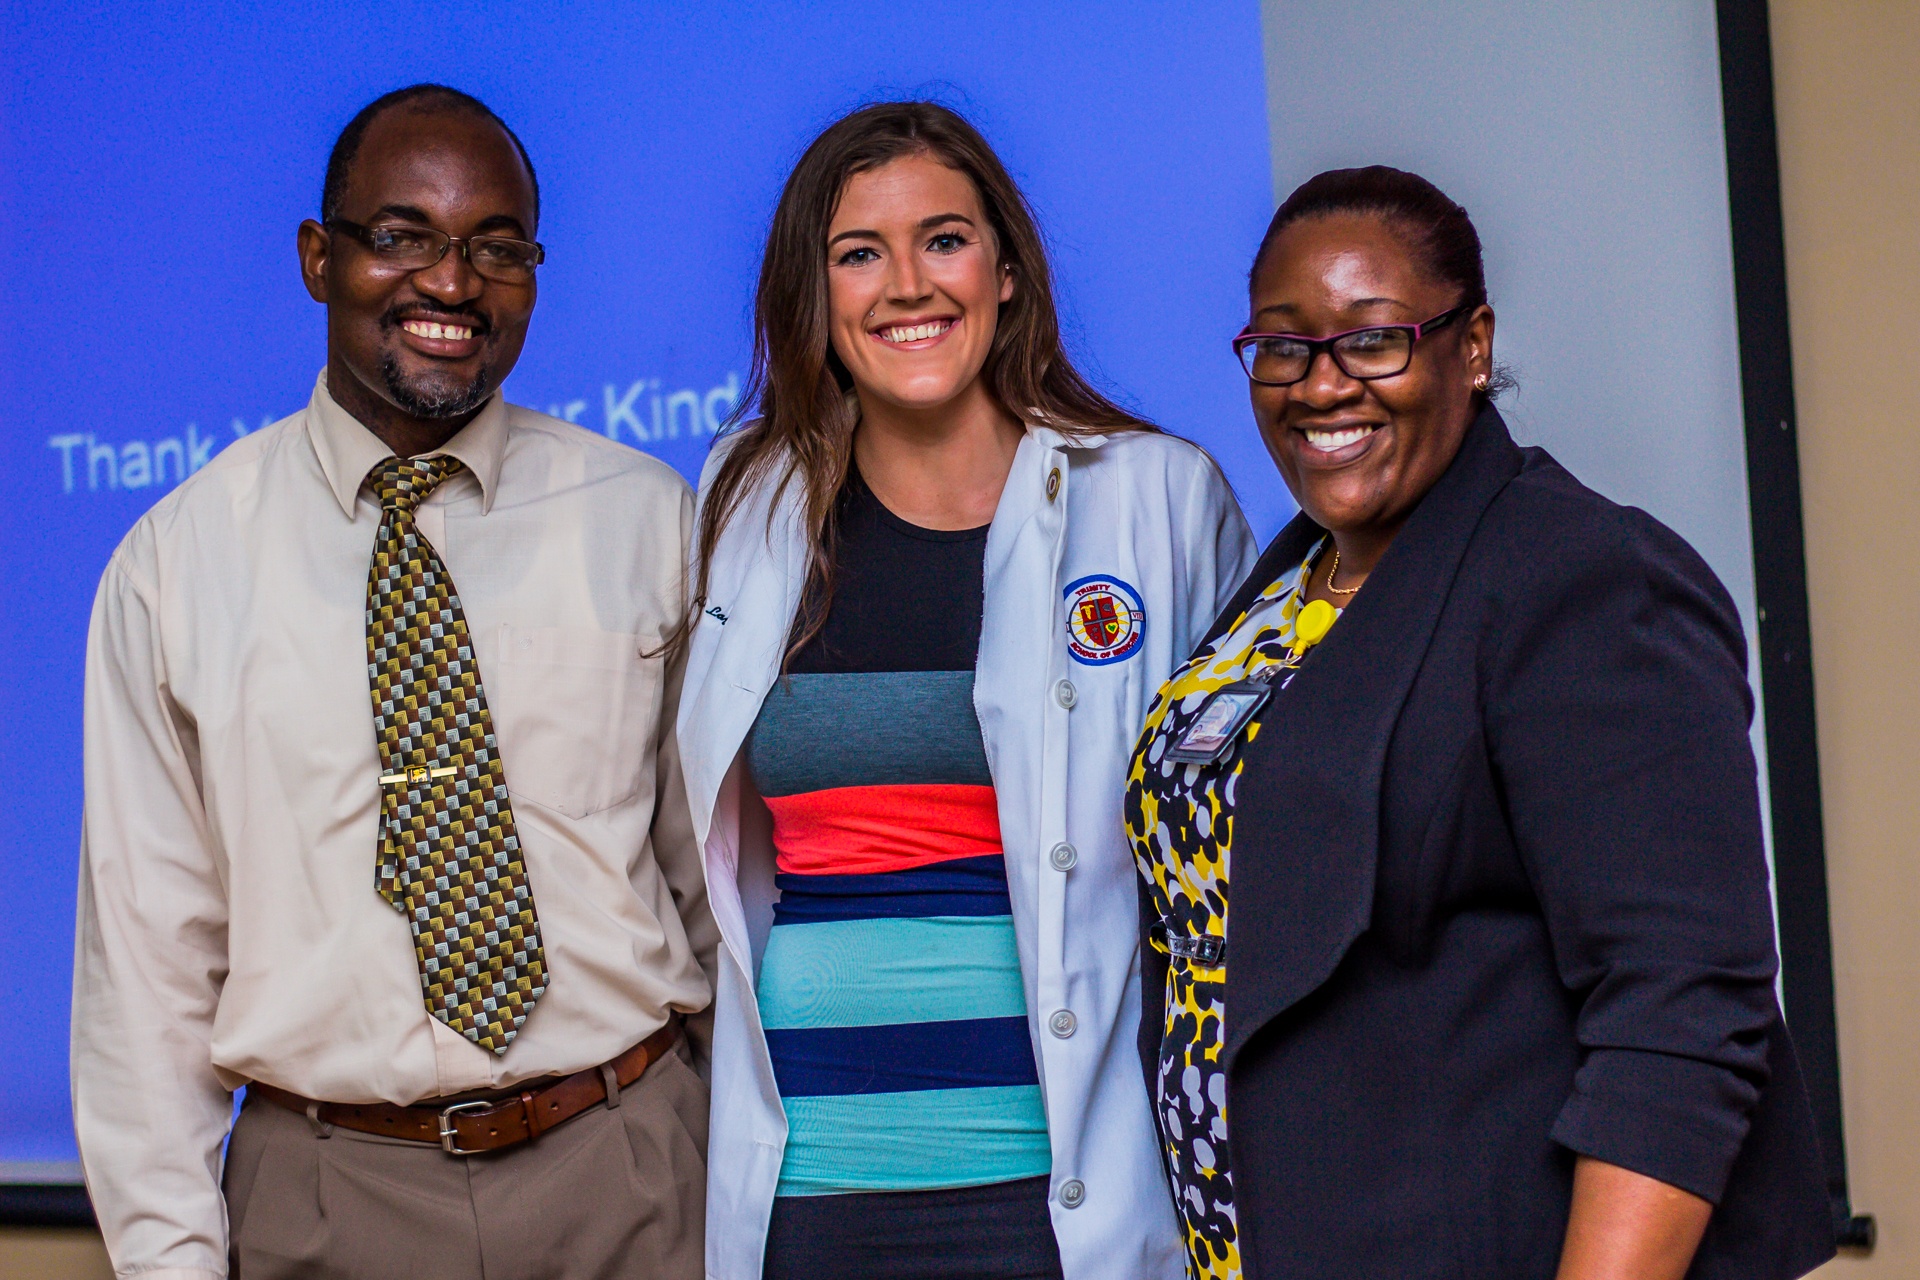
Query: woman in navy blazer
[[1497, 997]]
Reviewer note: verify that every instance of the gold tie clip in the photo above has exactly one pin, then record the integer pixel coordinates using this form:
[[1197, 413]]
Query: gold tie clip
[[416, 775]]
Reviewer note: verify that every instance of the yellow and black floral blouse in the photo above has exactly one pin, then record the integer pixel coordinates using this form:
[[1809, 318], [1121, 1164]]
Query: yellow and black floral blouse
[[1180, 821]]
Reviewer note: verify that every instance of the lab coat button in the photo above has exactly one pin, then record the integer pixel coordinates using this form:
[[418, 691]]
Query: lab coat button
[[1073, 1193], [1062, 1023], [1063, 857], [1065, 694]]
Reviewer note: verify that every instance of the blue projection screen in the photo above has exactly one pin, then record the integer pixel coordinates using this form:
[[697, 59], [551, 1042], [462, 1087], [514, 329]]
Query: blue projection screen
[[154, 165]]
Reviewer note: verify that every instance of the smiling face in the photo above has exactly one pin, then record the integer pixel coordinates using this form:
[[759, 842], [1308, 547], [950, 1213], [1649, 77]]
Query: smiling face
[[1359, 456], [414, 351], [914, 283]]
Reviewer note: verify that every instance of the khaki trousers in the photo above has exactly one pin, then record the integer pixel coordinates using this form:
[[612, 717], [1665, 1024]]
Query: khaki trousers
[[615, 1192]]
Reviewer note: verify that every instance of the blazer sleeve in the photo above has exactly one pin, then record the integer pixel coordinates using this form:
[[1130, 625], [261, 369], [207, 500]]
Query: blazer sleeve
[[1617, 712]]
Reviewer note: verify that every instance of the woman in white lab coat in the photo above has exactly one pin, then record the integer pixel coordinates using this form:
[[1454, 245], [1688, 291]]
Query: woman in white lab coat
[[940, 578]]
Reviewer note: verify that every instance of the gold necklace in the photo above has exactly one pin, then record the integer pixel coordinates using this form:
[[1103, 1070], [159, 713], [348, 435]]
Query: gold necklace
[[1335, 568]]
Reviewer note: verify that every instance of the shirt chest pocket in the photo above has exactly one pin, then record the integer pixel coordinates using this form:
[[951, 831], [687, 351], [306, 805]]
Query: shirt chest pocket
[[574, 711]]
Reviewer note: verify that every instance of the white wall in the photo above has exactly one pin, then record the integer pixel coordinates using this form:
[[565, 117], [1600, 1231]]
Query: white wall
[[1585, 140]]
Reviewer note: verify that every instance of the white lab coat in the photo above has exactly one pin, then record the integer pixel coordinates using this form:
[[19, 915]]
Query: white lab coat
[[1148, 510]]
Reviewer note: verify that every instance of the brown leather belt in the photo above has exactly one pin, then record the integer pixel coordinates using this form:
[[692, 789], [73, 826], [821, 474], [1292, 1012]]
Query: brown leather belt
[[469, 1128]]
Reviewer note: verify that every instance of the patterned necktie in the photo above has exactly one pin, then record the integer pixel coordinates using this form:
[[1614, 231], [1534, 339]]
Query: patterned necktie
[[448, 855]]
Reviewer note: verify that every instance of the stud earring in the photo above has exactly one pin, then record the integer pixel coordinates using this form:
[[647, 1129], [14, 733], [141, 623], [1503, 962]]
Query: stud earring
[[1480, 382]]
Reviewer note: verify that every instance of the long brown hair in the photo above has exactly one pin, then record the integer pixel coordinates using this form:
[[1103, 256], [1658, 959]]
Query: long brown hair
[[799, 385]]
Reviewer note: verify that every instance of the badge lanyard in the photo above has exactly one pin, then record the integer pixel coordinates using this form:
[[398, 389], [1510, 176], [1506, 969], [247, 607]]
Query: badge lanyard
[[1222, 718], [1228, 709]]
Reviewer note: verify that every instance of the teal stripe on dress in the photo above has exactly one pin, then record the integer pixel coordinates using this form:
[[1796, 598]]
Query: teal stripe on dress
[[868, 973], [905, 1141], [867, 729]]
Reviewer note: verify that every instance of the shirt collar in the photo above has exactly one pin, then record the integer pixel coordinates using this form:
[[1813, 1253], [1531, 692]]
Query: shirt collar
[[348, 451]]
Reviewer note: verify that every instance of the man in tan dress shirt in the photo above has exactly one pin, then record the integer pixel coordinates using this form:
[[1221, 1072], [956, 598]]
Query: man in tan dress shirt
[[384, 817]]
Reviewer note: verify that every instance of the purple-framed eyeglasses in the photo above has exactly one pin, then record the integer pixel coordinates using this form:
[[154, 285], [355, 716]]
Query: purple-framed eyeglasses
[[1377, 351]]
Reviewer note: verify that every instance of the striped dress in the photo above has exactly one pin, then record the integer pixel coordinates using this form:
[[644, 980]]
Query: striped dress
[[890, 988]]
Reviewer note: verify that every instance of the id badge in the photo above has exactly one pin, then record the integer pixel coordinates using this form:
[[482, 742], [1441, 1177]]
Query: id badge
[[1222, 718]]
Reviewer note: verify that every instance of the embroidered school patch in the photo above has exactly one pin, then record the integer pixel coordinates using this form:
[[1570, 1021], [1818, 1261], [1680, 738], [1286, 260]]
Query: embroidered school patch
[[1105, 620]]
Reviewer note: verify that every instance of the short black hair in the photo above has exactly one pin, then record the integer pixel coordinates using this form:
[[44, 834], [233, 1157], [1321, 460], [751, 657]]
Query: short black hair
[[1439, 231], [421, 97]]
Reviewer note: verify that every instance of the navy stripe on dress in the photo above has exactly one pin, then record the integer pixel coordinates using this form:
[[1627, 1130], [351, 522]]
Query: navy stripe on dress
[[978, 1053], [962, 887]]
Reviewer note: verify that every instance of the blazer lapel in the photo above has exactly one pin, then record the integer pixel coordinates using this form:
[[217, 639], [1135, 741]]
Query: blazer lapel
[[1307, 814], [1286, 550]]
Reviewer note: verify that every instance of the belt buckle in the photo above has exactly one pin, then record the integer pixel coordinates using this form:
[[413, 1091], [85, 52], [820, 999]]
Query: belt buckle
[[450, 1136], [1206, 950]]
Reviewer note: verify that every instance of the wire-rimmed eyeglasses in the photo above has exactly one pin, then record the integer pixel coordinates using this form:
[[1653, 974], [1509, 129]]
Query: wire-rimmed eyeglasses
[[405, 247]]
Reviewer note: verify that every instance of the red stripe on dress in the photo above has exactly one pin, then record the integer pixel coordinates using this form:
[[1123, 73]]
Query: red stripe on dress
[[846, 831]]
